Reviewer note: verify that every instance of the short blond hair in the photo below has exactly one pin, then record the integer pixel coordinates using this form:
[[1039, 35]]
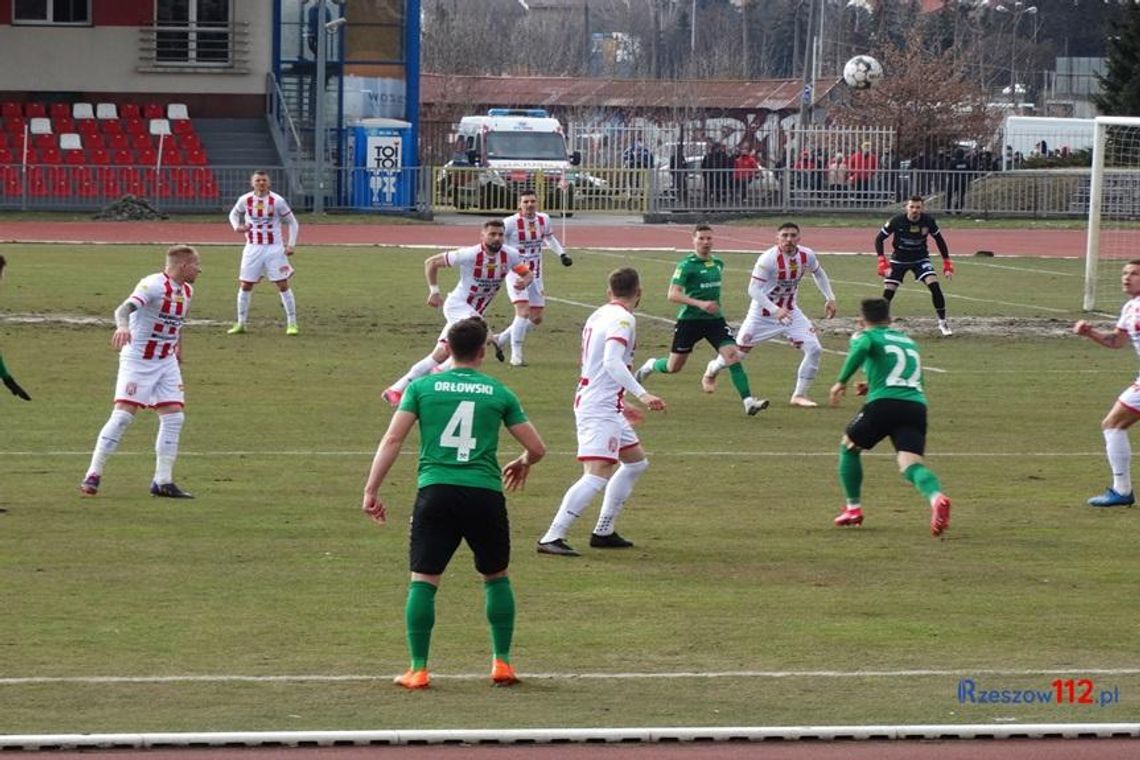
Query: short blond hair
[[177, 254]]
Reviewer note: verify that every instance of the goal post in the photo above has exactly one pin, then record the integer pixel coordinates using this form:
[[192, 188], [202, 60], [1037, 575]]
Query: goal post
[[1114, 208]]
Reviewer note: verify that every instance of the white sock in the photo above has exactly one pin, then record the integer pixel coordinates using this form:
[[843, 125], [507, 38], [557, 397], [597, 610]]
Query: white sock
[[617, 492], [504, 338], [109, 438], [166, 446], [419, 369], [574, 502], [290, 305], [647, 368], [715, 366], [519, 328], [1119, 451], [243, 305], [809, 368]]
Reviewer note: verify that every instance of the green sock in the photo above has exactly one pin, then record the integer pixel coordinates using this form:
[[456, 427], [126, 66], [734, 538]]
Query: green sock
[[500, 607], [661, 365], [851, 474], [419, 618], [923, 479], [739, 379]]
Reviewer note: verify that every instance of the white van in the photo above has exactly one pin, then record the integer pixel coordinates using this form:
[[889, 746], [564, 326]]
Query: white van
[[505, 152]]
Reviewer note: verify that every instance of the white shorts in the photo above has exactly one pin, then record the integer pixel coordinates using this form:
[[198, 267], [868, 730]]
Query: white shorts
[[756, 330], [149, 382], [532, 294], [453, 312], [268, 261], [604, 437], [1130, 397]]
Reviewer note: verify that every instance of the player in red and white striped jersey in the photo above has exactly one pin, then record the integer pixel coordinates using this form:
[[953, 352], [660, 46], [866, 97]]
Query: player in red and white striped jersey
[[528, 231], [482, 269], [258, 215], [148, 335], [774, 313]]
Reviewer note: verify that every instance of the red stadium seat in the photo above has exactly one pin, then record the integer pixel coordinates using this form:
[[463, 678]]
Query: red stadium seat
[[153, 111], [59, 111], [196, 157], [134, 181], [32, 110], [111, 127], [43, 141], [182, 127], [74, 158], [6, 156], [10, 179], [122, 157], [11, 109], [63, 124], [118, 141], [15, 124], [50, 155], [172, 156], [86, 182], [129, 111], [98, 156], [109, 184], [187, 141], [134, 126], [92, 140], [87, 126], [140, 141], [147, 157], [3, 139]]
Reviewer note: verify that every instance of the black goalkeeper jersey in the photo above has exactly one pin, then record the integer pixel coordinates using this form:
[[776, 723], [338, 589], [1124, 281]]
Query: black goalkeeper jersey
[[910, 237]]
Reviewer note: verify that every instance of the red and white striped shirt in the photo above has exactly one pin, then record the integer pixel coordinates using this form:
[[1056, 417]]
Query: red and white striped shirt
[[528, 234], [776, 276], [264, 214], [481, 274], [157, 322]]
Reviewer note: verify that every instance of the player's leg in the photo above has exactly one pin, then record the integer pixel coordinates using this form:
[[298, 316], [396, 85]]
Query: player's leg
[[863, 432], [598, 465], [731, 355], [930, 279], [251, 270], [618, 490], [908, 434], [686, 334], [169, 402], [893, 279], [280, 271], [802, 334], [1124, 413], [487, 530], [515, 334], [753, 331], [122, 415]]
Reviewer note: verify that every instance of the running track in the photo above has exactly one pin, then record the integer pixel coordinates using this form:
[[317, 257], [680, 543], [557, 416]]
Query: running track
[[583, 233]]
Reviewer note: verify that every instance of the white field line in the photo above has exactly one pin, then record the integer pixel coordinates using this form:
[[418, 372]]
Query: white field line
[[701, 454], [667, 321], [627, 676]]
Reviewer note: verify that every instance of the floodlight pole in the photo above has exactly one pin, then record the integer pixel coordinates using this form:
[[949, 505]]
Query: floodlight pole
[[319, 112]]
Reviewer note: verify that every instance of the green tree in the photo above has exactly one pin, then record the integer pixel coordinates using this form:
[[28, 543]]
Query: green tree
[[1120, 84]]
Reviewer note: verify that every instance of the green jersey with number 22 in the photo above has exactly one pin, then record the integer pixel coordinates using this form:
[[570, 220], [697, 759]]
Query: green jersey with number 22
[[460, 413], [890, 361]]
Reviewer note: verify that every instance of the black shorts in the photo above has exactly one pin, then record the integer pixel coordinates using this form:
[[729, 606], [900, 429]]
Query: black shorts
[[444, 515], [903, 421], [687, 333], [921, 269]]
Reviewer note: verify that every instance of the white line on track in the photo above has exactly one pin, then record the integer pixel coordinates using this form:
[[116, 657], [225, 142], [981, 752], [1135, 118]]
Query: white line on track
[[630, 676]]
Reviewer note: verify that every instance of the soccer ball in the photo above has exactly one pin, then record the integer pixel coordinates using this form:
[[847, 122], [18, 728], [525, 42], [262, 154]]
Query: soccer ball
[[862, 72]]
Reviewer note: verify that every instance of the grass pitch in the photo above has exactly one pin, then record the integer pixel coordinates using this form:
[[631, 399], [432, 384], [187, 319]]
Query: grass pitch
[[740, 604]]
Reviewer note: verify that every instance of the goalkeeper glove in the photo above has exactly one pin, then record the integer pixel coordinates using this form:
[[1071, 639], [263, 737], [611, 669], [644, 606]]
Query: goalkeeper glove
[[884, 267], [16, 389], [565, 259], [947, 268]]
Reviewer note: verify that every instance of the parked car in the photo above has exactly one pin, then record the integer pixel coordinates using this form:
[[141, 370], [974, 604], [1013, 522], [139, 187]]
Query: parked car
[[701, 186]]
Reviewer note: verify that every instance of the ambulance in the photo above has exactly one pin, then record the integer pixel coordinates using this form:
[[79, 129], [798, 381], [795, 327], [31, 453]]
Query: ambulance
[[505, 152]]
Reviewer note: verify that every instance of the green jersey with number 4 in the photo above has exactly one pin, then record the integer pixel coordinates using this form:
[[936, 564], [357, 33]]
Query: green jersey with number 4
[[890, 361], [700, 279], [460, 414]]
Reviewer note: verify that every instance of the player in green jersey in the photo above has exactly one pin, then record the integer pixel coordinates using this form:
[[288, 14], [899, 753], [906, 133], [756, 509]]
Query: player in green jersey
[[896, 407], [9, 381], [460, 494], [696, 287]]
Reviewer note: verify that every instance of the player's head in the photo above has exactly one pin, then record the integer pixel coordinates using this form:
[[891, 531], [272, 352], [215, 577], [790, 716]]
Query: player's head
[[528, 202], [625, 283], [788, 236], [183, 263], [703, 239], [259, 181], [1129, 277], [493, 231], [875, 311], [467, 340], [914, 207]]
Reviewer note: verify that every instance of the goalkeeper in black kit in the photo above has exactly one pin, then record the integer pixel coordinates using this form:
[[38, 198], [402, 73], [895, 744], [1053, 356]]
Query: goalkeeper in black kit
[[7, 379], [910, 230]]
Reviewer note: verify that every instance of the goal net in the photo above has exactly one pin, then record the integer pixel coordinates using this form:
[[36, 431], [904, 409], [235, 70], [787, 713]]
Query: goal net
[[1114, 210]]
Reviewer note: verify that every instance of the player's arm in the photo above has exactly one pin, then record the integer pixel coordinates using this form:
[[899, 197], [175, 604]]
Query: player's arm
[[122, 334], [614, 365], [676, 294], [758, 288], [884, 233], [386, 454], [860, 345], [944, 252], [1116, 339], [236, 217], [290, 219], [521, 268], [555, 245], [432, 265], [11, 384], [824, 284], [515, 471]]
